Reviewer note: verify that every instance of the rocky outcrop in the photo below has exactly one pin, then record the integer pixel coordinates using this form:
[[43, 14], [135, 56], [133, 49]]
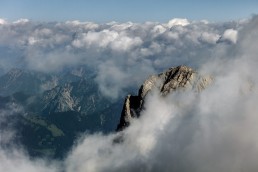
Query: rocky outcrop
[[176, 78], [60, 99]]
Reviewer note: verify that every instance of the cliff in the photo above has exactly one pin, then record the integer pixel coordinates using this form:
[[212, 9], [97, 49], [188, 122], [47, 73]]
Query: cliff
[[175, 78]]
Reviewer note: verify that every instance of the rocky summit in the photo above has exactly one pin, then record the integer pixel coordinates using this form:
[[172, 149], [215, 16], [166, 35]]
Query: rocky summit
[[175, 78]]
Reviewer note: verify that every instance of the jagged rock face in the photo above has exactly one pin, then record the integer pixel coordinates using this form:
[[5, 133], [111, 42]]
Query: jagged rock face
[[176, 78], [82, 97], [60, 99]]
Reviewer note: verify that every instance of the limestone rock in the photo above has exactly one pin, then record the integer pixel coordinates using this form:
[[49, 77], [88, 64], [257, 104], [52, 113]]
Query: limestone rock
[[175, 78]]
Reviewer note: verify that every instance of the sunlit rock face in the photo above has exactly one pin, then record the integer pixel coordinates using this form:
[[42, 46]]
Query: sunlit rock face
[[175, 78]]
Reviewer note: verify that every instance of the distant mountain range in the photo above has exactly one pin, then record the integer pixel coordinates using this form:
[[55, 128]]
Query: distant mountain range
[[56, 108]]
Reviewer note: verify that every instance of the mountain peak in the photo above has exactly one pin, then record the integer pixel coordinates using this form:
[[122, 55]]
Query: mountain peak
[[175, 78]]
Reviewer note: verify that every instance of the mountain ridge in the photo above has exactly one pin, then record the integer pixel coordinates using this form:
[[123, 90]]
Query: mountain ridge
[[173, 79]]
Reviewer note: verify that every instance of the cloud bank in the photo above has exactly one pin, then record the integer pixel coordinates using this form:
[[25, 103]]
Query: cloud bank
[[215, 130], [122, 49]]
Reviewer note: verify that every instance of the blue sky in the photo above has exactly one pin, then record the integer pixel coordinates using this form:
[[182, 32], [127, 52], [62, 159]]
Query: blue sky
[[125, 10]]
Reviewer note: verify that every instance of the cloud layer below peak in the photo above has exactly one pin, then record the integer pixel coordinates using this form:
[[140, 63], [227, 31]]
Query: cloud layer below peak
[[215, 130]]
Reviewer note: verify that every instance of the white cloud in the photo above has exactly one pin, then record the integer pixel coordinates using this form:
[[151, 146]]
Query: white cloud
[[15, 160], [50, 62], [105, 39], [99, 39], [230, 35], [121, 27], [21, 21], [211, 38], [178, 22], [74, 22], [110, 77], [158, 29], [3, 21], [126, 43], [114, 78], [153, 49], [85, 25]]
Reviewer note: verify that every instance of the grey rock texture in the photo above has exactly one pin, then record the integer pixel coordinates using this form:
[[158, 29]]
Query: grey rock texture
[[175, 78]]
